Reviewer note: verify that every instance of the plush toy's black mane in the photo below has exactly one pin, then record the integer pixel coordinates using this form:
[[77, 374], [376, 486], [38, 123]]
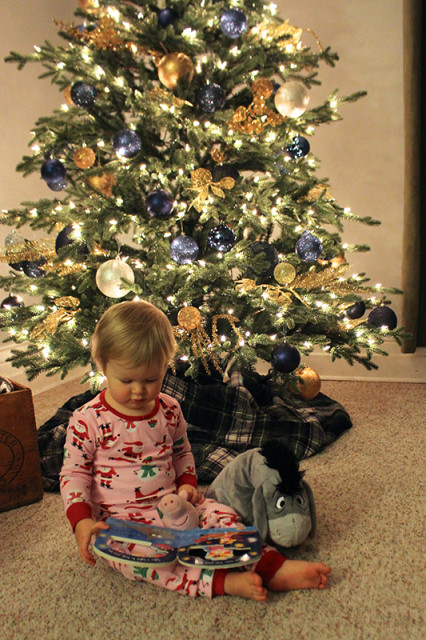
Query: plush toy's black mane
[[278, 456]]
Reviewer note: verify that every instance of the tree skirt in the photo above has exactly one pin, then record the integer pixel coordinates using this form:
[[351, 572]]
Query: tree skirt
[[223, 421]]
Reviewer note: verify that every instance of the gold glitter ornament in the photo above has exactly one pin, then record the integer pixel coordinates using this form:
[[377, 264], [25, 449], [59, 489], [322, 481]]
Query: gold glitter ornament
[[338, 261], [189, 318], [84, 158], [284, 273], [174, 67], [88, 5], [308, 384], [67, 96]]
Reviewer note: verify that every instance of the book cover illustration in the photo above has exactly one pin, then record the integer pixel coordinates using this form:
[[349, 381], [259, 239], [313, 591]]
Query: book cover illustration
[[136, 543]]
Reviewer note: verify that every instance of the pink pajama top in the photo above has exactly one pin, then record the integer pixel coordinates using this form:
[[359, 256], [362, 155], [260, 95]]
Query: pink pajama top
[[121, 466]]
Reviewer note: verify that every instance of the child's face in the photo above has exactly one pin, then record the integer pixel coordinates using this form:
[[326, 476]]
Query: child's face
[[133, 391]]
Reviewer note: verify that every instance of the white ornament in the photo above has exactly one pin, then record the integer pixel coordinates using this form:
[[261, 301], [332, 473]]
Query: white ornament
[[292, 99], [109, 278]]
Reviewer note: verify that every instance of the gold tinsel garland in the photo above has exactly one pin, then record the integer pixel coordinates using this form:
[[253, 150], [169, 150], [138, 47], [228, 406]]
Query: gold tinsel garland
[[257, 116], [330, 278], [190, 325], [30, 250], [84, 158], [34, 250]]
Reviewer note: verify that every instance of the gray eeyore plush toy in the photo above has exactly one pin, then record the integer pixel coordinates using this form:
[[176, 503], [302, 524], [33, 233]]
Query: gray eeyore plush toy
[[266, 489]]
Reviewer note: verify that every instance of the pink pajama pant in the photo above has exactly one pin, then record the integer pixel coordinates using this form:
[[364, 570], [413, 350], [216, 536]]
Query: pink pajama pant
[[190, 580]]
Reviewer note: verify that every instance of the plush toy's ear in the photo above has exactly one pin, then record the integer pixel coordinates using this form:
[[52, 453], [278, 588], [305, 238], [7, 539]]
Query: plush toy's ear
[[312, 508], [260, 516]]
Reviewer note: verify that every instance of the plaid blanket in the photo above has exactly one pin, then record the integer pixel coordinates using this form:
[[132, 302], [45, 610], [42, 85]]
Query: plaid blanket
[[223, 421]]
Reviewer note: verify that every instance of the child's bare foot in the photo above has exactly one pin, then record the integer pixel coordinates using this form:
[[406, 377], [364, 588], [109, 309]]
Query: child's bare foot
[[299, 574], [246, 584]]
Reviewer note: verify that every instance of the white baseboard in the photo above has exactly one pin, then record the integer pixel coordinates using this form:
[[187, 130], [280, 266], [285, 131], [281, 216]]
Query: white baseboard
[[396, 367]]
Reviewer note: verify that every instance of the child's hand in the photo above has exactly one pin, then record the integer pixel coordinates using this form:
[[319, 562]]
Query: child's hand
[[84, 530], [190, 493]]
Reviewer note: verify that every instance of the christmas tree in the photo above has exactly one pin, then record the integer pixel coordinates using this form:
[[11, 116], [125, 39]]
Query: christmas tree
[[180, 163]]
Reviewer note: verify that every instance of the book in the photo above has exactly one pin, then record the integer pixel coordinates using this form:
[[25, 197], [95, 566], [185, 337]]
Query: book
[[136, 544]]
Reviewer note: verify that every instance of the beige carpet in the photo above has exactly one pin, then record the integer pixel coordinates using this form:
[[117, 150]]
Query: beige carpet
[[369, 493]]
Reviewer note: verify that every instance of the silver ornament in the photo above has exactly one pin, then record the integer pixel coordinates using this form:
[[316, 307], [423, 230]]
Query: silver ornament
[[13, 239], [109, 278], [292, 99]]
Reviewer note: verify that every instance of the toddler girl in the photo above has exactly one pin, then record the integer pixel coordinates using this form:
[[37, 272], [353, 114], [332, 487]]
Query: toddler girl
[[128, 447]]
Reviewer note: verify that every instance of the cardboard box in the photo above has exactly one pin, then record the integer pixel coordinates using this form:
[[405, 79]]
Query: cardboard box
[[20, 472]]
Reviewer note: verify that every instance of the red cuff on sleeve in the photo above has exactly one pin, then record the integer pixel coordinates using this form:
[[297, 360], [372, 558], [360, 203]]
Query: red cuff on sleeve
[[78, 511], [187, 478]]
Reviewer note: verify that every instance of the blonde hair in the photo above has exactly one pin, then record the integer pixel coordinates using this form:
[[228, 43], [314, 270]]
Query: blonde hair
[[133, 332]]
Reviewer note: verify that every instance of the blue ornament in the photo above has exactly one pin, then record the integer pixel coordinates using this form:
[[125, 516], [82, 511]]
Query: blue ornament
[[356, 310], [233, 23], [308, 247], [270, 255], [65, 238], [12, 301], [82, 28], [32, 269], [298, 148], [224, 171], [59, 185], [221, 238], [17, 266], [285, 358], [127, 143], [211, 97], [83, 95], [52, 171], [166, 17], [383, 317], [159, 203], [184, 250]]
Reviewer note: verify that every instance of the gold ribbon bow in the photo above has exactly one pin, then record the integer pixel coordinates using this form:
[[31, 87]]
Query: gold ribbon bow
[[67, 308], [202, 181]]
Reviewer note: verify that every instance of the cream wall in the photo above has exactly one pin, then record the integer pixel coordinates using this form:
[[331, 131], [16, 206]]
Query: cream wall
[[362, 155]]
